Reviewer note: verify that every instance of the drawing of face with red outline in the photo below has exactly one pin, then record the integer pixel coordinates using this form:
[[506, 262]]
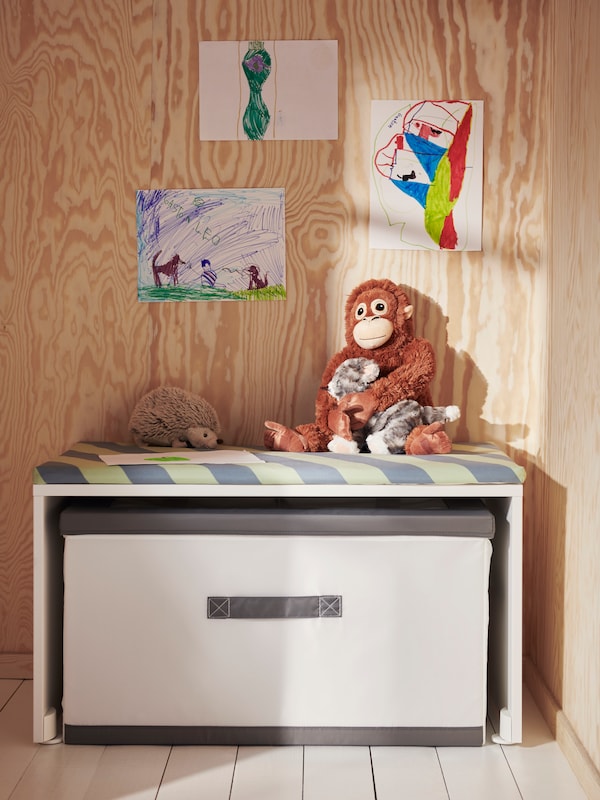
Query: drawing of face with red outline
[[432, 122], [427, 160]]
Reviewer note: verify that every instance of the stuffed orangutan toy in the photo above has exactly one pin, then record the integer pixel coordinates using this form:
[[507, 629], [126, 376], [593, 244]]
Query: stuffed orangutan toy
[[399, 367]]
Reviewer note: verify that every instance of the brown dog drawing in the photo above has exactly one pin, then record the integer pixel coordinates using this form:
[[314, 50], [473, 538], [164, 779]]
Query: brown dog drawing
[[256, 282], [170, 269]]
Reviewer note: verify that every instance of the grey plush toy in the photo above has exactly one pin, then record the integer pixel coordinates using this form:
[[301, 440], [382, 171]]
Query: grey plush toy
[[172, 417], [386, 431]]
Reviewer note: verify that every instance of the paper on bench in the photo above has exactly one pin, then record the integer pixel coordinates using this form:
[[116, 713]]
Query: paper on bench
[[169, 457]]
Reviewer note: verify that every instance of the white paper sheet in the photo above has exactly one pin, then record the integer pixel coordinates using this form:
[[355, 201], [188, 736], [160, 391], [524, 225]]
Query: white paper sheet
[[171, 457], [197, 245], [300, 89], [426, 174]]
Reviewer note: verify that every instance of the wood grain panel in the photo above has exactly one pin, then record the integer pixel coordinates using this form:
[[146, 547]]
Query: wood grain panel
[[381, 54], [15, 666], [74, 145], [567, 567], [112, 112]]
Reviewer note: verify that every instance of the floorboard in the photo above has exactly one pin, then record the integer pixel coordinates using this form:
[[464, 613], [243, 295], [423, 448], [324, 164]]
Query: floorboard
[[538, 764], [533, 770], [199, 772], [7, 689], [59, 773], [268, 773], [17, 749], [128, 772], [475, 773], [338, 772], [411, 772]]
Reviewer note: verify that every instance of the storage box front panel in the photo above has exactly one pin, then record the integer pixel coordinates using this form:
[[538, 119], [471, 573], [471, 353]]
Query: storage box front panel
[[402, 645]]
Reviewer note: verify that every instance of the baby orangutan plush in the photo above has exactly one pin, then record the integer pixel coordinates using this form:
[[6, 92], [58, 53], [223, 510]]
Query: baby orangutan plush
[[386, 431], [379, 328]]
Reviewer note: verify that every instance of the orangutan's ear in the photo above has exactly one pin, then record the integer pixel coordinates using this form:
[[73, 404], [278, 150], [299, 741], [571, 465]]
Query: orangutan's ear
[[408, 312]]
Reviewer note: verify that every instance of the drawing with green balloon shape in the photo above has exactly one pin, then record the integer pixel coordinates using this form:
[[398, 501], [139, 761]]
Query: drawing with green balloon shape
[[257, 68]]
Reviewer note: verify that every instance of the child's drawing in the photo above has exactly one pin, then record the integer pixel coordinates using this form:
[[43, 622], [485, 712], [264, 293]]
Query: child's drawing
[[210, 244], [257, 90], [426, 175], [257, 68]]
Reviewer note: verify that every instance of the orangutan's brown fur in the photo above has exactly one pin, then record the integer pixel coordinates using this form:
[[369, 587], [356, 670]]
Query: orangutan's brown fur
[[406, 368]]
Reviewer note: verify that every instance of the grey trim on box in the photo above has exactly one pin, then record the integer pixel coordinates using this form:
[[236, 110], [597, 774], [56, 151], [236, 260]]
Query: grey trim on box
[[309, 607], [279, 516], [272, 735]]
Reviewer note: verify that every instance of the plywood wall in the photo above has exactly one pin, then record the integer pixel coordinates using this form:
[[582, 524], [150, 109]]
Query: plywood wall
[[564, 564], [99, 99], [75, 118], [102, 99], [480, 309]]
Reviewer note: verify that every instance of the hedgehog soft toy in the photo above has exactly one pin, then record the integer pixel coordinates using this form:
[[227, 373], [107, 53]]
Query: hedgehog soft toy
[[172, 417]]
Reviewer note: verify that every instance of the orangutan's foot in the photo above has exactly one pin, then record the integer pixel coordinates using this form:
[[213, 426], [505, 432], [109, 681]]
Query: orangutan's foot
[[426, 440], [278, 437], [340, 445]]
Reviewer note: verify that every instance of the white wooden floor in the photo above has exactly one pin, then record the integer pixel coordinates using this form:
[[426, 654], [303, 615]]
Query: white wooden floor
[[535, 770]]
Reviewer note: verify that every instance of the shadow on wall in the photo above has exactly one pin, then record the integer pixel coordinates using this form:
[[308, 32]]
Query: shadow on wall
[[458, 379], [544, 559]]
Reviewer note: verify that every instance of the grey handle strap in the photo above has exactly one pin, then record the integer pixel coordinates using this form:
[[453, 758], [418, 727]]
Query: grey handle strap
[[313, 606]]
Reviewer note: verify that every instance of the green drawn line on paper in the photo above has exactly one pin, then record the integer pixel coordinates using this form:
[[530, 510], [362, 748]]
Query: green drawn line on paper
[[166, 458]]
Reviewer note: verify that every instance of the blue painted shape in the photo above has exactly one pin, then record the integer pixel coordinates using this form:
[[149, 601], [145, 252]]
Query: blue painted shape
[[416, 190], [428, 153]]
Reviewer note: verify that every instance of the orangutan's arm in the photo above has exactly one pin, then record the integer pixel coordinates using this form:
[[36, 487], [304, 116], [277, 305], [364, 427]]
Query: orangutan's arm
[[409, 381]]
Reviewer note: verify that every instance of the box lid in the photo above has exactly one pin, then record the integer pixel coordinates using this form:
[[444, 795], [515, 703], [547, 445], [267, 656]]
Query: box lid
[[279, 516]]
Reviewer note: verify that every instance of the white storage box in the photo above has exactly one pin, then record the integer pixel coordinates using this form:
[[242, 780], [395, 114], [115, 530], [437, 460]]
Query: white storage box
[[276, 622]]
